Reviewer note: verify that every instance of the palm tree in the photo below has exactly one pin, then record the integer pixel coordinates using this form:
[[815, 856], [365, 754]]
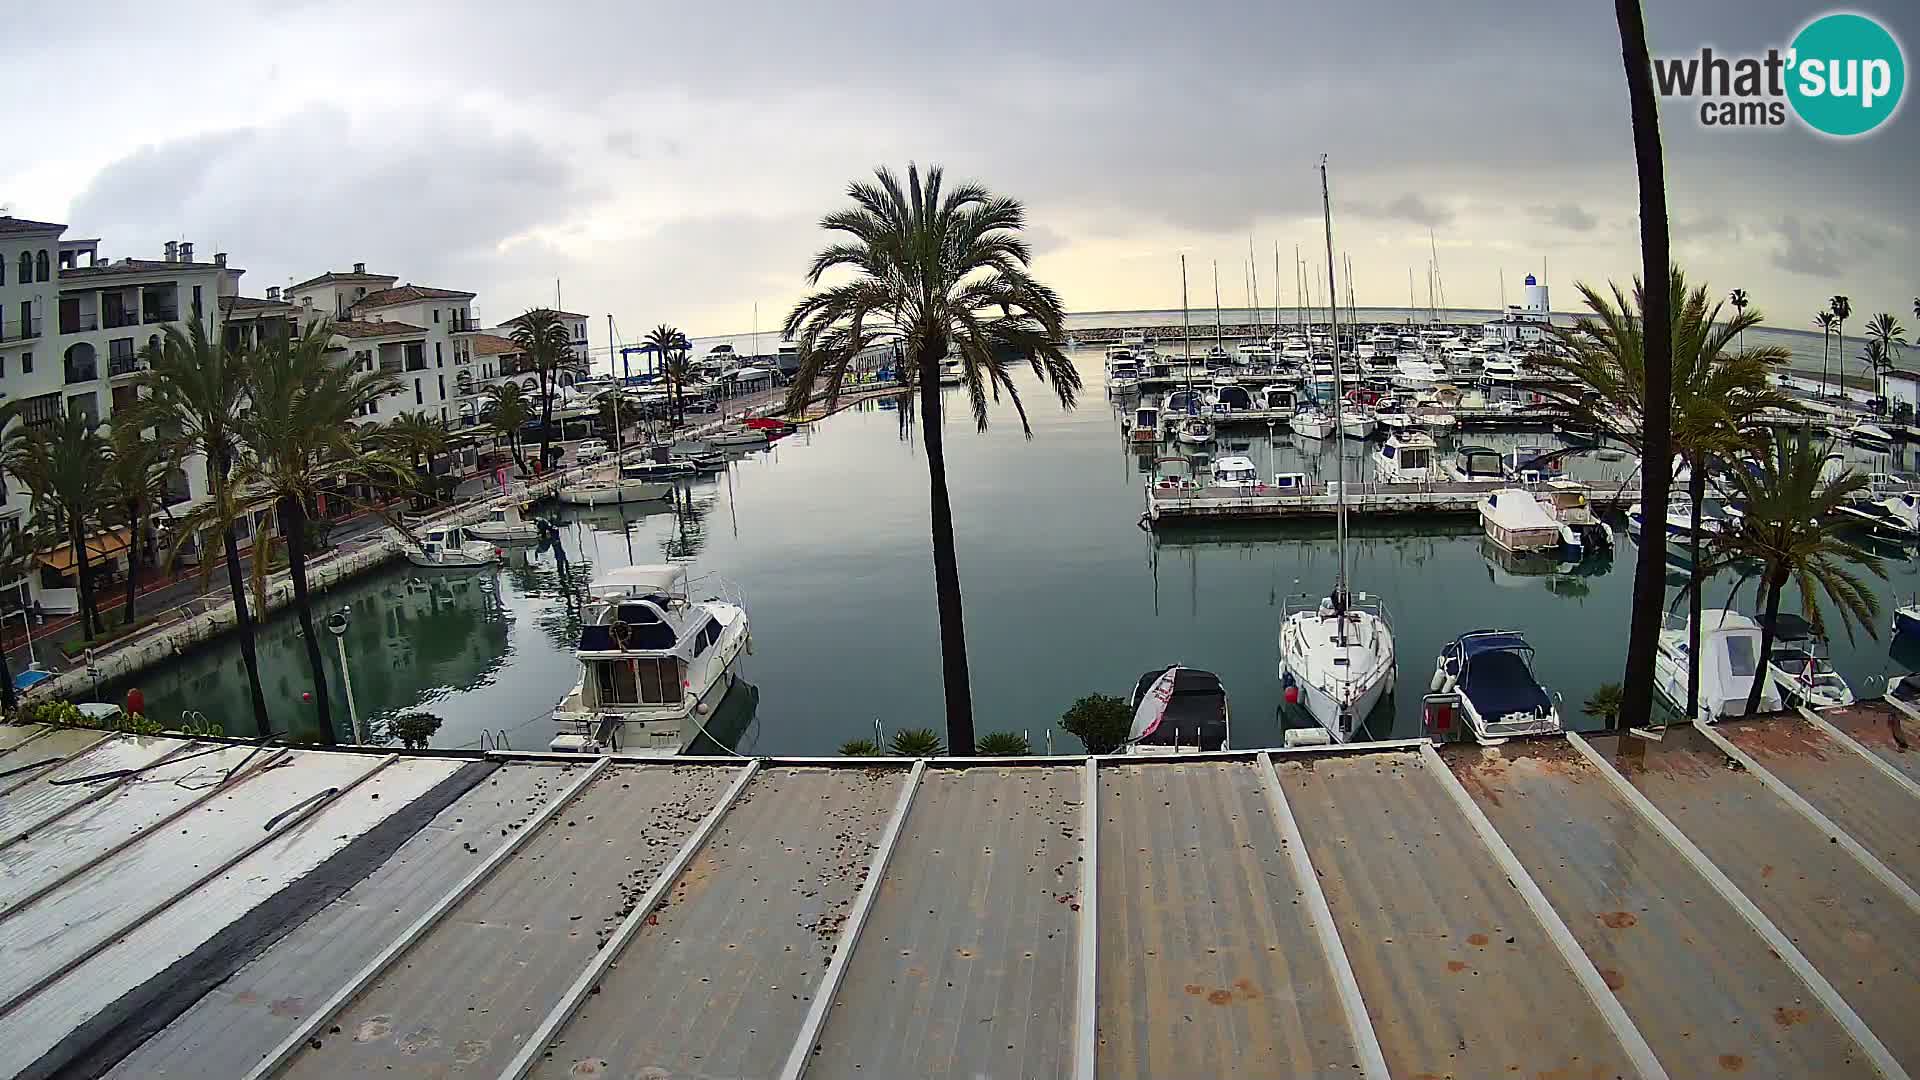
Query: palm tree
[[1738, 298], [1885, 331], [1785, 530], [136, 479], [1826, 322], [679, 371], [1717, 397], [666, 342], [941, 274], [508, 413], [417, 435], [17, 549], [543, 339], [193, 392], [299, 436], [62, 463], [1841, 307]]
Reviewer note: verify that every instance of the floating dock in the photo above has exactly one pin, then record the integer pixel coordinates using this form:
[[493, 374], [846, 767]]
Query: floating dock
[[1368, 499]]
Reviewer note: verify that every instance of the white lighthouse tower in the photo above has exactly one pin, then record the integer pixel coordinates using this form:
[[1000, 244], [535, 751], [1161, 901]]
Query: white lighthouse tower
[[1523, 325]]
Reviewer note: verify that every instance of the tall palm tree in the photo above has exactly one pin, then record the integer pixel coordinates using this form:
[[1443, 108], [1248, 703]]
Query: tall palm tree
[[1841, 308], [1649, 582], [298, 436], [1885, 331], [507, 411], [62, 464], [136, 478], [543, 338], [679, 371], [1826, 322], [667, 342], [1738, 298], [1785, 530], [1717, 398], [17, 549], [193, 393], [941, 274], [418, 436]]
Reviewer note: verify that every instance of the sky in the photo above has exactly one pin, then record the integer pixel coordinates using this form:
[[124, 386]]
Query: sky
[[671, 162]]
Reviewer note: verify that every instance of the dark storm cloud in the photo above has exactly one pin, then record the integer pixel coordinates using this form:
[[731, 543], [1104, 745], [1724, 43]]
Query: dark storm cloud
[[1565, 216], [1814, 249], [317, 192], [1409, 207]]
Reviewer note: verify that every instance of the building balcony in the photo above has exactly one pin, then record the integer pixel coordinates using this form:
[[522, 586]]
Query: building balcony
[[117, 319], [161, 316], [417, 365], [467, 325], [20, 329], [81, 373], [79, 322], [390, 367], [124, 365]]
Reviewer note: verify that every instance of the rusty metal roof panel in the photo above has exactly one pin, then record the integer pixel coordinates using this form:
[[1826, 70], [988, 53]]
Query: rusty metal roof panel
[[1208, 965], [1861, 936], [717, 983], [54, 792], [1459, 977], [1883, 731], [1699, 983], [163, 922], [238, 1022], [966, 964], [1872, 807], [468, 993]]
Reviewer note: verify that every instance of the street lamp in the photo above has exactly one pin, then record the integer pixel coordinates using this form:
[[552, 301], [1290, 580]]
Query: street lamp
[[337, 626]]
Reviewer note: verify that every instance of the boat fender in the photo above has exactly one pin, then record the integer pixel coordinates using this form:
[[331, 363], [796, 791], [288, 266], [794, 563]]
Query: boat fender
[[1439, 679]]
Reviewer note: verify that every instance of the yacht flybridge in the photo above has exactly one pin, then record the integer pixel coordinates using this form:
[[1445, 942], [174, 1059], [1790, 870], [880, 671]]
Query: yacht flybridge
[[654, 663], [1337, 655]]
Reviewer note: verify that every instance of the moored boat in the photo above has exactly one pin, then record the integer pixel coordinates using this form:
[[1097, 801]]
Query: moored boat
[[1729, 664], [1178, 709], [505, 523], [1490, 674], [448, 548], [1407, 457], [607, 491]]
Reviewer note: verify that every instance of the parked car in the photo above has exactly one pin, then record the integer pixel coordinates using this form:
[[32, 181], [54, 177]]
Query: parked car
[[589, 451]]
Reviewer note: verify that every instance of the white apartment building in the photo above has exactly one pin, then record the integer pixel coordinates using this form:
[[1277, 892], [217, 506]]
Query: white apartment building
[[418, 334]]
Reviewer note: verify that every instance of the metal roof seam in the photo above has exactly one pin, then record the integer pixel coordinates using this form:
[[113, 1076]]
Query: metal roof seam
[[829, 985], [341, 998], [1373, 1060], [1885, 767], [27, 774], [1825, 824], [1789, 953], [268, 835], [1624, 1030], [102, 791], [596, 969], [1086, 1006]]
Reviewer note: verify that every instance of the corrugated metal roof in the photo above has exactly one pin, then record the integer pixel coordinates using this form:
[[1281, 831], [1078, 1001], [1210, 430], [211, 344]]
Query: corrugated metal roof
[[1724, 902]]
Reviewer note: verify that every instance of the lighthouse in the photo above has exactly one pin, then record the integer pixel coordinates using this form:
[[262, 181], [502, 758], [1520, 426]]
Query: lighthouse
[[1534, 300]]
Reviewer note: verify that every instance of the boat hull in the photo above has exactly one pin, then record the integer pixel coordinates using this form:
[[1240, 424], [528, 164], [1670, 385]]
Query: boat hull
[[609, 495]]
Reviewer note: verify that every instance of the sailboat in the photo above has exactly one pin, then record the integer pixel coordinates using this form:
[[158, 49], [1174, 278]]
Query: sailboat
[[1336, 654]]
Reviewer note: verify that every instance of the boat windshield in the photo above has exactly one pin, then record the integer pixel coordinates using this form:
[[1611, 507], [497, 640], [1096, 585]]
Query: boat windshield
[[1742, 653], [1237, 476]]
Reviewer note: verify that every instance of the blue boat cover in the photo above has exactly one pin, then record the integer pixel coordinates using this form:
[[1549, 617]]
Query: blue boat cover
[[1498, 682]]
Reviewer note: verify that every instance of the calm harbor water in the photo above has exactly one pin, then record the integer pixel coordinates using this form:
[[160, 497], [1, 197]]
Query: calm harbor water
[[826, 533]]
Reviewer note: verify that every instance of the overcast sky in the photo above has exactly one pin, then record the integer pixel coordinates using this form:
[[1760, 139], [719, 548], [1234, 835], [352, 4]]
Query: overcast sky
[[670, 162]]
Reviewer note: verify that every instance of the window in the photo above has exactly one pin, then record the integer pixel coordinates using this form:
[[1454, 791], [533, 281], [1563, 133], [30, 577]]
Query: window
[[709, 634], [196, 301], [640, 681], [26, 363], [43, 272], [3, 271], [436, 314], [26, 267], [3, 367], [436, 352], [1741, 652], [418, 397], [443, 387]]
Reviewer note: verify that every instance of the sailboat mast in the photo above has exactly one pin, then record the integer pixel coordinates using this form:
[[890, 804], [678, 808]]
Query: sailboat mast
[[1339, 392], [1186, 331], [1216, 305], [1276, 287], [619, 394], [1299, 289], [1253, 271]]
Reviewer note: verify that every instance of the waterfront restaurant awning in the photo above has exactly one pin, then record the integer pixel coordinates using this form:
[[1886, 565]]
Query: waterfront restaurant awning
[[99, 546]]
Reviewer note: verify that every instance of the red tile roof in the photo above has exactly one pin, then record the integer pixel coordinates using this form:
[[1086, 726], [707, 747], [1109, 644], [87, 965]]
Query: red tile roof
[[354, 328], [493, 345], [26, 225], [408, 294], [333, 277], [140, 266]]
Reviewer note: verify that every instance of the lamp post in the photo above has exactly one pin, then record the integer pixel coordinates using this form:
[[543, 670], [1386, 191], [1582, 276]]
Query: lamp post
[[337, 625]]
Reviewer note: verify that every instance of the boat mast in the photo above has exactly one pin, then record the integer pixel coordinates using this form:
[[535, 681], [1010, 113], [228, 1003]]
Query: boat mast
[[1253, 270], [1339, 434], [1217, 343], [1276, 287], [1186, 333], [619, 397], [1410, 296]]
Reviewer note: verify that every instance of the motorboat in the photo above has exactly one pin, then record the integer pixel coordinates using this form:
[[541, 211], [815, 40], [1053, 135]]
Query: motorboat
[[1146, 424], [1337, 658], [1357, 422], [1801, 668], [1531, 464], [1906, 621], [1278, 397], [1490, 673], [1554, 520], [604, 490], [1178, 709], [1227, 398], [1194, 431], [1418, 372], [1234, 471], [1294, 350], [1869, 436], [1256, 353], [1218, 356], [505, 523], [1312, 422], [1391, 415], [449, 548], [1570, 504], [654, 663], [1176, 472], [1501, 367], [658, 470], [1476, 464], [1123, 373], [952, 372], [1679, 520], [1729, 663], [738, 436], [1434, 419], [1407, 457]]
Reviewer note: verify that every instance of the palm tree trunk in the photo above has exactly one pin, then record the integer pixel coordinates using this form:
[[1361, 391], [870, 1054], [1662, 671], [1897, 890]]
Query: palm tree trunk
[[946, 565], [546, 417], [243, 616], [293, 520], [1840, 358], [1649, 581], [89, 620], [8, 700], [133, 557], [1776, 581], [1696, 487], [1826, 346]]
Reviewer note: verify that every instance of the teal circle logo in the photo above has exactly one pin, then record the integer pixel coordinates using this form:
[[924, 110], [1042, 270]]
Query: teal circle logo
[[1847, 74]]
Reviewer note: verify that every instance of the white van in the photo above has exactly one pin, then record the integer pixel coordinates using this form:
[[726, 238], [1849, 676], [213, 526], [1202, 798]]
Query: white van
[[590, 450]]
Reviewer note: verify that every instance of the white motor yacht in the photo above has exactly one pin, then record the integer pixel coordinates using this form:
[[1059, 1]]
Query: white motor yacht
[[1357, 422], [505, 523], [1312, 422], [952, 373], [1194, 431], [1234, 471], [1490, 673], [655, 662], [1869, 436], [448, 549], [1278, 397], [1414, 372], [1729, 663], [1123, 373], [608, 491], [1407, 457], [1178, 709], [1256, 353], [746, 436], [1801, 669]]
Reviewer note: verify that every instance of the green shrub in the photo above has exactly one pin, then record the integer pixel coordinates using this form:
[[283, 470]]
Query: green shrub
[[859, 748], [1003, 744], [1605, 703], [1100, 721], [916, 742], [414, 729]]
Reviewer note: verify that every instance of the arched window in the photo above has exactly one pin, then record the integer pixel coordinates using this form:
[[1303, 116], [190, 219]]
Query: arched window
[[42, 271], [26, 267]]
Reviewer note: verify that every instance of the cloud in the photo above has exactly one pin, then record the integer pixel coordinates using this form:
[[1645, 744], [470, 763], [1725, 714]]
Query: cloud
[[418, 195], [1566, 216], [1411, 207], [1815, 250]]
